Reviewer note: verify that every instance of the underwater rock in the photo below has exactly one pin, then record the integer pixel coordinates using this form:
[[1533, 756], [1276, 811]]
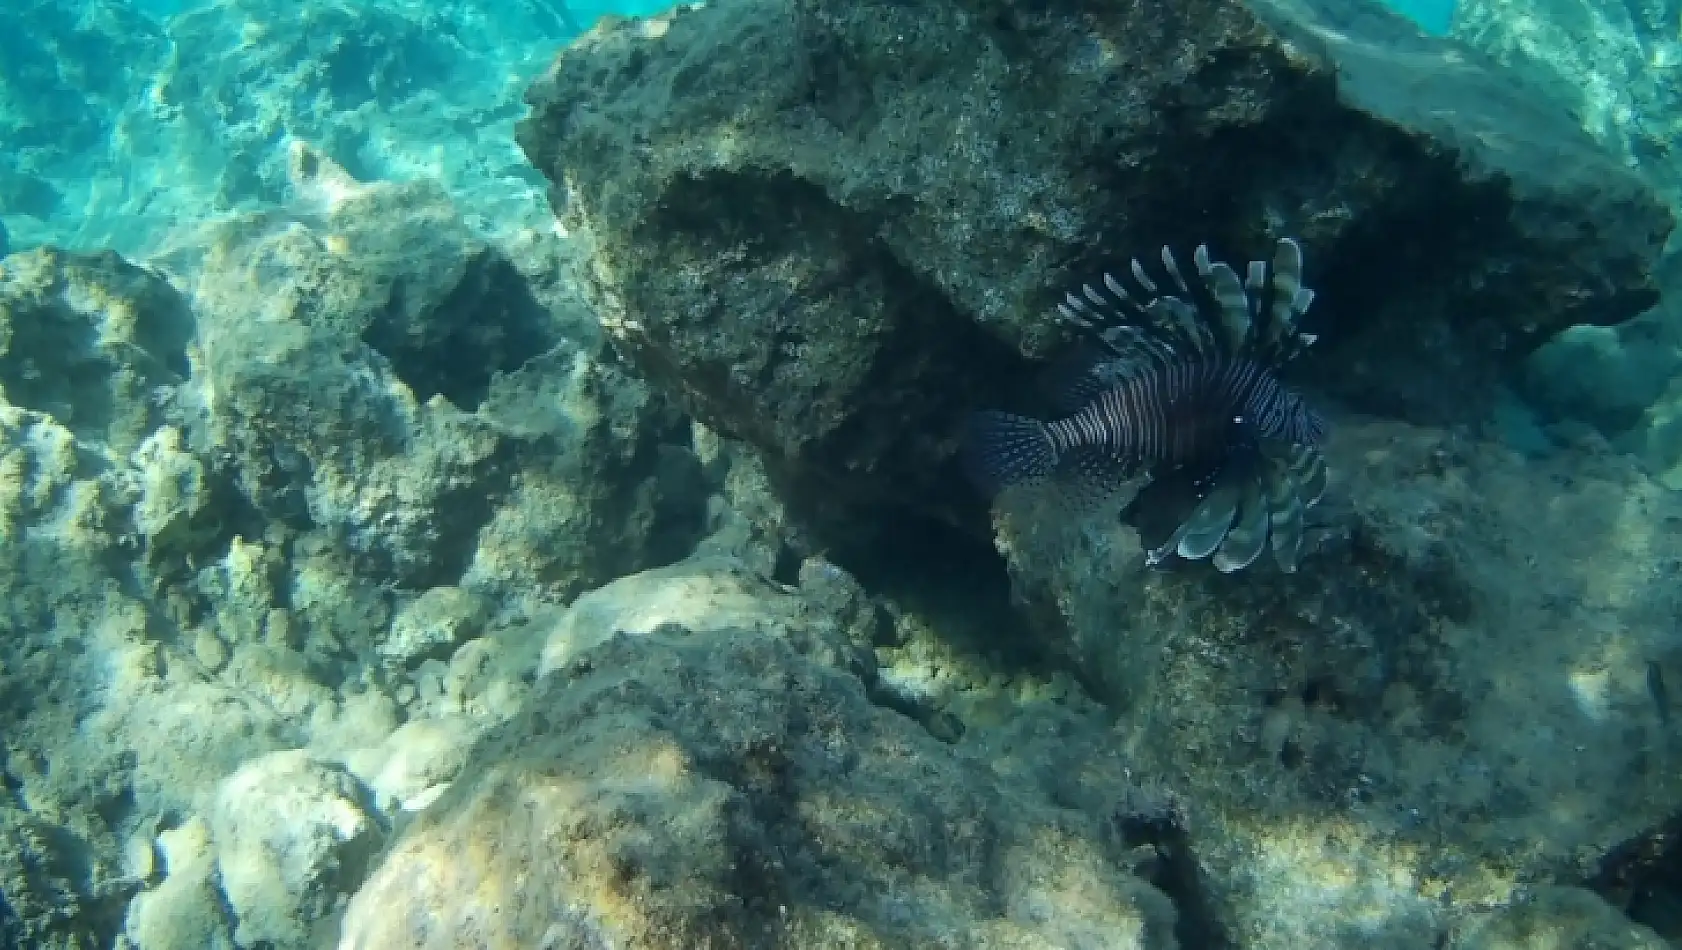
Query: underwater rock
[[703, 595], [92, 340], [1458, 681], [291, 832], [433, 625], [229, 527], [1611, 64], [187, 908], [709, 780], [95, 750], [831, 229], [351, 354], [1559, 917]]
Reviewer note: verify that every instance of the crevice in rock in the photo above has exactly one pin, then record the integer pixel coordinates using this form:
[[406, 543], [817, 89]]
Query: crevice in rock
[[1150, 824], [923, 566], [855, 370], [1643, 877], [489, 323]]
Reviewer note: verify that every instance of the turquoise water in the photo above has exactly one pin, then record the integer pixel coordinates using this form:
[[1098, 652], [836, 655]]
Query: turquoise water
[[811, 474], [114, 143], [1433, 16], [128, 122]]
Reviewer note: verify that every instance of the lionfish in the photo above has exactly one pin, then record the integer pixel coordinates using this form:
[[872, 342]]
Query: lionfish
[[1180, 390]]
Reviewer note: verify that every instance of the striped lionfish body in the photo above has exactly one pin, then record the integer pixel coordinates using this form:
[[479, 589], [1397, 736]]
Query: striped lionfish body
[[1181, 387]]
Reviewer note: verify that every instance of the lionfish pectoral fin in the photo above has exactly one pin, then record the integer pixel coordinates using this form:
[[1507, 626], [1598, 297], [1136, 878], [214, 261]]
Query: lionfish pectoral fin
[[1284, 505], [1207, 525], [1296, 479], [1247, 538], [1309, 469], [1001, 449]]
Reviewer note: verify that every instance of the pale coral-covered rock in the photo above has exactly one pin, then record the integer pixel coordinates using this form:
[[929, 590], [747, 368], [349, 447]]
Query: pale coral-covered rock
[[291, 834], [680, 789], [186, 908], [433, 625]]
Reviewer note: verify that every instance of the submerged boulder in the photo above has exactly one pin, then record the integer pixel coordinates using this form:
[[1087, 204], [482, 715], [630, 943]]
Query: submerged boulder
[[832, 228], [696, 771]]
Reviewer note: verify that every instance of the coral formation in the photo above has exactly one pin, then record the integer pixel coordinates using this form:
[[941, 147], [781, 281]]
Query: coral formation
[[235, 490]]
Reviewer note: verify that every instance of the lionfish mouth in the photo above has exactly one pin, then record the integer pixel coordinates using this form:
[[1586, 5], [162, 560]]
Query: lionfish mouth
[[1178, 383]]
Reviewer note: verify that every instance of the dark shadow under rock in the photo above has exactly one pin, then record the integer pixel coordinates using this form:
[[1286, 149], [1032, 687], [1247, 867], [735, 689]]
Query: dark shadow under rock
[[448, 310]]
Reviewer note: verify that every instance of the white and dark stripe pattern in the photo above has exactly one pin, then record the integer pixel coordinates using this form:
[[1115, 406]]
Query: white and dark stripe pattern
[[1180, 376], [1184, 411]]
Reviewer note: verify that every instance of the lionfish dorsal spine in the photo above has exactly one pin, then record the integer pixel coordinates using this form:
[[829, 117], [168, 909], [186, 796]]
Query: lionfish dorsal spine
[[1214, 314], [1118, 324], [1141, 276], [1173, 268], [1190, 324], [1222, 283], [1287, 287]]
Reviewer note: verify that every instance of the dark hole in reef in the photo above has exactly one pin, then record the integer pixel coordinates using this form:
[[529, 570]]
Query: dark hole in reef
[[490, 323], [1291, 755], [787, 568], [1323, 692], [1152, 818], [1643, 877], [940, 571], [57, 362], [922, 567]]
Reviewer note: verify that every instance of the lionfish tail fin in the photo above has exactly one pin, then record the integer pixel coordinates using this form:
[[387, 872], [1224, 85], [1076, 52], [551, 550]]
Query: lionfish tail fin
[[1001, 450]]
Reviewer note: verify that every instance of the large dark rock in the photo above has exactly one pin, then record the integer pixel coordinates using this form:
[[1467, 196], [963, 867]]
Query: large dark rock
[[832, 227]]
